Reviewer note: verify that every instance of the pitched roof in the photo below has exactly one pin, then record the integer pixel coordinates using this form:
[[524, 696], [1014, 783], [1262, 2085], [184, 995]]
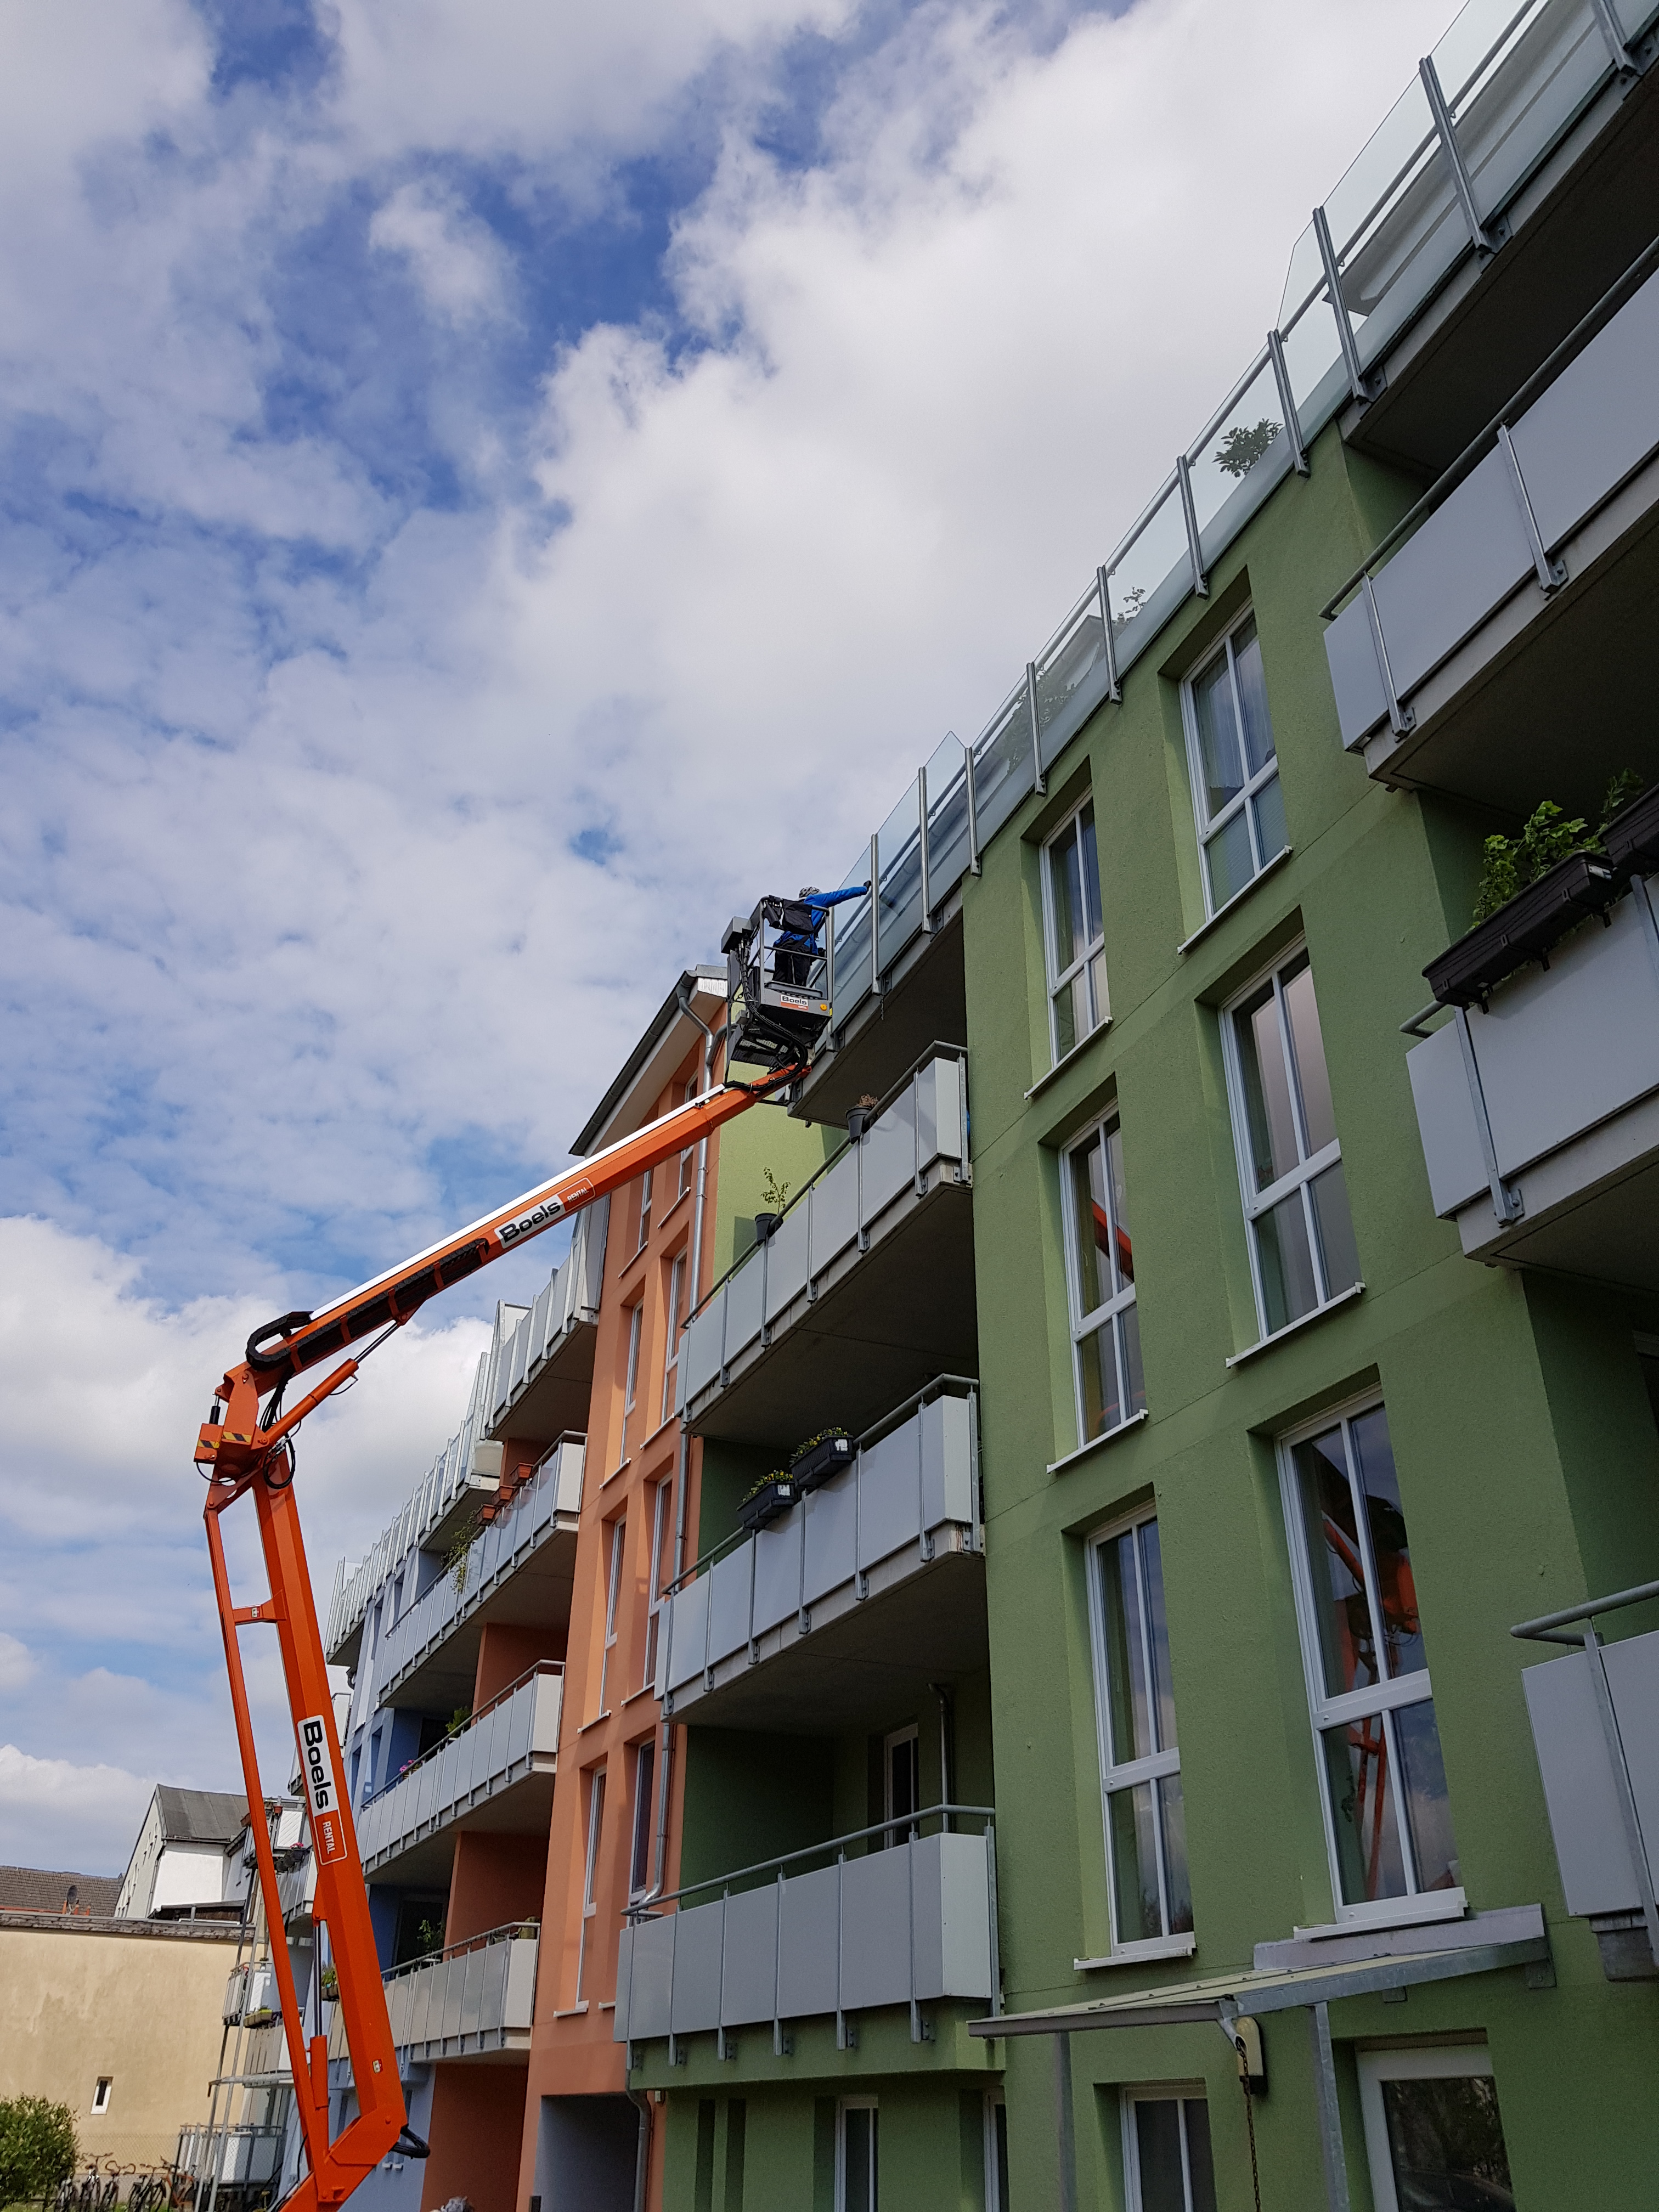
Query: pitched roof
[[39, 1889], [200, 1816]]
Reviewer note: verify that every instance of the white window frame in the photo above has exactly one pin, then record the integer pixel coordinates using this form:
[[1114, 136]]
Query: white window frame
[[1434, 2062], [645, 1214], [1310, 1166], [101, 2093], [631, 1375], [1062, 979], [1208, 827], [1382, 1697], [996, 2102], [1157, 2092], [640, 1834], [617, 1531], [1083, 1325], [1119, 1775], [662, 1498], [595, 1779], [671, 1355], [844, 2105]]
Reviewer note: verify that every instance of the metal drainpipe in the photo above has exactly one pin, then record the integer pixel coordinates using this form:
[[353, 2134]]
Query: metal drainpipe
[[642, 2156]]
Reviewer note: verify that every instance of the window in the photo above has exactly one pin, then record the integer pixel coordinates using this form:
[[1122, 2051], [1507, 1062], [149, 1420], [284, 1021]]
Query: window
[[662, 1562], [856, 2160], [590, 1906], [644, 1211], [373, 1764], [996, 2152], [1301, 1247], [1432, 2131], [1105, 1326], [630, 1375], [101, 2094], [639, 1857], [1234, 768], [1167, 2166], [616, 1532], [1077, 962], [671, 1355], [1139, 1764], [1384, 1783], [688, 1156], [901, 1756]]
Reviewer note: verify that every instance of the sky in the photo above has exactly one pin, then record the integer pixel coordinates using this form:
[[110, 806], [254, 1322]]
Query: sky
[[487, 489]]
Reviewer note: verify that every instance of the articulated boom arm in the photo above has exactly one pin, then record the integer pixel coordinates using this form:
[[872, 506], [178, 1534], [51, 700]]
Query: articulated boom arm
[[242, 1448]]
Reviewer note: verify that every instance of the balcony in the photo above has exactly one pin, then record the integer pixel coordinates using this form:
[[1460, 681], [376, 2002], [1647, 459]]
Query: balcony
[[1519, 611], [476, 2000], [494, 1775], [239, 2157], [518, 1569], [913, 1924], [545, 1372], [866, 1591], [1539, 1114], [864, 1291]]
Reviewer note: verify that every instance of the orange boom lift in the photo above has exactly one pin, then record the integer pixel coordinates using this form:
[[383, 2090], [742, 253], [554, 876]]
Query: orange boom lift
[[778, 1006]]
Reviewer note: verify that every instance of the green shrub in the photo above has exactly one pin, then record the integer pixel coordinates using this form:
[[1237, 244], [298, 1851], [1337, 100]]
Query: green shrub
[[37, 2146], [1508, 865]]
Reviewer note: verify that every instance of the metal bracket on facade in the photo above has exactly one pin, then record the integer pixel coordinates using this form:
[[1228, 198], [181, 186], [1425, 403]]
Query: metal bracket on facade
[[1619, 53], [1506, 1203], [1038, 780], [678, 2053], [1486, 238], [1189, 515], [922, 849], [1551, 575], [1114, 687], [1402, 719], [1287, 401], [1365, 386]]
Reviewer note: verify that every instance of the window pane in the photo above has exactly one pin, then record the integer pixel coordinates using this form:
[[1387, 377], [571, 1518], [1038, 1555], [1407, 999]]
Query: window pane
[[1072, 1021], [1220, 763], [1094, 1227], [1363, 1821], [1102, 1408], [1379, 1485], [1335, 1565], [1274, 1150], [1128, 1324], [1201, 2166], [1253, 699], [1134, 1864], [1157, 1632], [1423, 1786], [1089, 867], [1229, 860], [1123, 1252], [1099, 1000], [999, 2155], [859, 2158], [1066, 889], [1271, 832], [1128, 1710], [1310, 1046], [1177, 1886], [1158, 2154], [1335, 1224], [1446, 2142], [1288, 1286]]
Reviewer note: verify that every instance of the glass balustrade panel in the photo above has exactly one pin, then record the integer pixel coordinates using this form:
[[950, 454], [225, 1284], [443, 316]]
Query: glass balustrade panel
[[1003, 772], [851, 924], [1547, 66], [899, 853], [1233, 466], [1151, 577], [1071, 674], [948, 856]]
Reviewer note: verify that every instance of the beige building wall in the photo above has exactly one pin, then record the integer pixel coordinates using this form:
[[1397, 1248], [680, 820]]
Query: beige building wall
[[140, 2004]]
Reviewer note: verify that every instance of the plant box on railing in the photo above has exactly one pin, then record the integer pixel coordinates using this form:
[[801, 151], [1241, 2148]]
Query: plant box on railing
[[1631, 838], [1524, 929], [767, 1504], [820, 1457]]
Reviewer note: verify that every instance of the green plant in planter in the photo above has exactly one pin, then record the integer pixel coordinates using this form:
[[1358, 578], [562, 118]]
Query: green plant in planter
[[1509, 864], [457, 1720], [778, 1474], [459, 1553], [775, 1194], [823, 1437], [328, 1982]]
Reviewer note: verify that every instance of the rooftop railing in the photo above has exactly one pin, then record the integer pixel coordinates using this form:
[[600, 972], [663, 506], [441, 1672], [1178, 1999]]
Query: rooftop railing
[[1430, 188]]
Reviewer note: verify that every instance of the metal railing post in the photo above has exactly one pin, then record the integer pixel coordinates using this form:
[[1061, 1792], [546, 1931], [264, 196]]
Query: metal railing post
[[1402, 719], [1551, 575], [1114, 687], [922, 848], [1039, 781], [1462, 185], [1189, 516], [875, 914], [1506, 1203], [1287, 401], [973, 810], [1364, 388]]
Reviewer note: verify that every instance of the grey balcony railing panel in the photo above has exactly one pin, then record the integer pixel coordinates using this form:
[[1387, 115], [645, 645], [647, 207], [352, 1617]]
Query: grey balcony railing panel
[[699, 1946], [788, 1260], [730, 1589], [477, 1998], [1580, 1786], [778, 1580], [808, 1960], [1583, 438], [830, 1537], [749, 1991], [684, 1653], [513, 1737], [833, 1221], [569, 1300], [645, 1968]]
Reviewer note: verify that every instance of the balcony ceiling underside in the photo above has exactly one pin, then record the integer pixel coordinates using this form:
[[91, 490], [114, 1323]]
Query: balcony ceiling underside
[[1550, 696], [883, 1324], [1581, 222], [554, 1403], [868, 1664], [537, 1594], [1592, 1208], [522, 1809], [926, 1003]]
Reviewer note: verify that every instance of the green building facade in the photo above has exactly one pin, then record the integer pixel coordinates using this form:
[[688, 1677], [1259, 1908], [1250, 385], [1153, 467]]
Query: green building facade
[[1157, 1787]]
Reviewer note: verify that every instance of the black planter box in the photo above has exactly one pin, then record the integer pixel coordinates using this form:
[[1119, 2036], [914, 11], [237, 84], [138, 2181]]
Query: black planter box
[[819, 1461], [768, 1504], [766, 1226], [1632, 838], [1534, 920]]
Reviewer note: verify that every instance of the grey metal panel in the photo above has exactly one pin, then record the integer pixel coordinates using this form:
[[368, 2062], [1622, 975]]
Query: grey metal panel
[[940, 1131], [520, 1356], [688, 1632], [1633, 1679], [619, 2017], [875, 1930], [808, 1937], [835, 1203], [1596, 423], [1597, 1875], [573, 1464], [947, 1462], [749, 1990], [889, 1493], [472, 1991], [964, 1917], [729, 1581], [519, 1989], [697, 1946], [1362, 698], [539, 1312], [787, 1257], [699, 1349], [593, 1228], [831, 1535], [549, 1704], [745, 1295], [888, 1164], [777, 1570], [652, 1977], [1464, 562]]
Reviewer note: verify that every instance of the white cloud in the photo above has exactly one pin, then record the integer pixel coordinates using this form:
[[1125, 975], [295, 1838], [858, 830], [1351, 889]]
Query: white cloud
[[55, 1814], [455, 260], [17, 1662]]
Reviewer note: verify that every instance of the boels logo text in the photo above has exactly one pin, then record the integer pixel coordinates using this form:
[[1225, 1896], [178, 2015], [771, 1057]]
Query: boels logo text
[[322, 1791]]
